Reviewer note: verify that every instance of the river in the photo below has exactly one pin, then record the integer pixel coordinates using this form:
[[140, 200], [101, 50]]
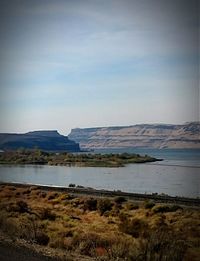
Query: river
[[177, 175]]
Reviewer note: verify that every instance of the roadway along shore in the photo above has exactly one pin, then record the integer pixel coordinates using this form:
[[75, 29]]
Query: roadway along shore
[[105, 193]]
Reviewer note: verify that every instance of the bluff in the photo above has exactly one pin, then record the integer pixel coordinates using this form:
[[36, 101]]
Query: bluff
[[44, 140], [142, 135]]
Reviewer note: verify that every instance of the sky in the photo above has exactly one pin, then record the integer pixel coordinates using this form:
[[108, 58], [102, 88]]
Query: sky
[[85, 63]]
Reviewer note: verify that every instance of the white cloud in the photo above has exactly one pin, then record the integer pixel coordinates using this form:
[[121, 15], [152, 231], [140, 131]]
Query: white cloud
[[100, 62]]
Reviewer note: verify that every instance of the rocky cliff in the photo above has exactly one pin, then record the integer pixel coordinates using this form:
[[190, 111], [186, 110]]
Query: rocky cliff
[[44, 140], [143, 135]]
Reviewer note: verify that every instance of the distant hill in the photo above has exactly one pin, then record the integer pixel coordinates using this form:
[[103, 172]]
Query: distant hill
[[143, 135], [44, 140]]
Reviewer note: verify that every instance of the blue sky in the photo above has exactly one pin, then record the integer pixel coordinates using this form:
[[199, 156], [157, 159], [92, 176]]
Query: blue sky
[[67, 64]]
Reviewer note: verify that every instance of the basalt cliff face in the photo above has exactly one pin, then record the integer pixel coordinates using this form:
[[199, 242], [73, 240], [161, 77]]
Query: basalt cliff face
[[143, 135], [44, 140]]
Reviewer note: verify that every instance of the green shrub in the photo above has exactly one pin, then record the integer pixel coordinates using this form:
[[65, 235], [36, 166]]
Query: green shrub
[[90, 204], [161, 209], [46, 213], [174, 208], [119, 200], [165, 208], [7, 224], [52, 195], [104, 205], [20, 206], [149, 204], [123, 249], [163, 245], [131, 206], [77, 202], [86, 243], [135, 227], [65, 196], [123, 216], [25, 227]]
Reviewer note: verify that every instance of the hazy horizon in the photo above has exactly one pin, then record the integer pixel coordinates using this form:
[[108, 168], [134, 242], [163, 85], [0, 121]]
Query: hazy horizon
[[68, 64]]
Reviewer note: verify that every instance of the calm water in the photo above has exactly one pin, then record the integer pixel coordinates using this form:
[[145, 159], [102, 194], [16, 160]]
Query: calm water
[[177, 175]]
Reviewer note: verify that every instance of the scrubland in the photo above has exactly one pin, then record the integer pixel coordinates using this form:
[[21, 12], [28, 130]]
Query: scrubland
[[73, 227]]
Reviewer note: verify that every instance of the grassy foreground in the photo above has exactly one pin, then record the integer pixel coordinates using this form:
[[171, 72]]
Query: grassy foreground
[[23, 156], [87, 228]]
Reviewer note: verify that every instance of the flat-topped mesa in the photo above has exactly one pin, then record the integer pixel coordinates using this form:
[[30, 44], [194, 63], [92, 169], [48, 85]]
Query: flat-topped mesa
[[47, 133], [46, 140], [141, 135]]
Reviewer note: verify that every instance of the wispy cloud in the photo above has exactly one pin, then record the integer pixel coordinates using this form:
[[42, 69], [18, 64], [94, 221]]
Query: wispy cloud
[[98, 56]]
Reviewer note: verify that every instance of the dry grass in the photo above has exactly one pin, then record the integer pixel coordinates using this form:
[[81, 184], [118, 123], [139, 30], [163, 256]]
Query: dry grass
[[102, 229]]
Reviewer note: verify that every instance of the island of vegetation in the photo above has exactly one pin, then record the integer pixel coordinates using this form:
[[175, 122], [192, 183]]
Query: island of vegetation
[[36, 156]]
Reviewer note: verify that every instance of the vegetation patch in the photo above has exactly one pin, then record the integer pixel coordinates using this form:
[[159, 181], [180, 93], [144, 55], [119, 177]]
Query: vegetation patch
[[149, 204], [104, 205], [25, 156], [166, 208], [90, 204], [90, 228]]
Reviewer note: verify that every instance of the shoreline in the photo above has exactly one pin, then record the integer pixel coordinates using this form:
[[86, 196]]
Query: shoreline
[[79, 164], [107, 193]]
